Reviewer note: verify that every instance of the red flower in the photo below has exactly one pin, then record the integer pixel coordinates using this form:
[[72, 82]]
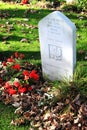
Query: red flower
[[16, 66], [16, 54], [4, 63], [1, 80], [30, 88], [11, 91], [22, 56], [10, 60], [25, 72], [26, 77], [17, 84], [24, 1], [34, 75], [22, 89], [7, 85]]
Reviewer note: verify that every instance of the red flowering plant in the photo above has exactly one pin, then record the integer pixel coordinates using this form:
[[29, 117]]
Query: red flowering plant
[[24, 2], [17, 76]]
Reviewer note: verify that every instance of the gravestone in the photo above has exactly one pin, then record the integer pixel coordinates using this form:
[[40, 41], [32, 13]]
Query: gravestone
[[57, 35]]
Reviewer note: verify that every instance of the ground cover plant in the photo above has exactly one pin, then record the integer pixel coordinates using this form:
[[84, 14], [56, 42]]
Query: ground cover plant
[[42, 105]]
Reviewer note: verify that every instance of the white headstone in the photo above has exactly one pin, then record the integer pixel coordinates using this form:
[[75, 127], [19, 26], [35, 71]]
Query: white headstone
[[57, 36]]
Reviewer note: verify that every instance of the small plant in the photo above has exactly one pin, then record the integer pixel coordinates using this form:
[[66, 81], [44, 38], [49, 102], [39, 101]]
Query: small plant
[[16, 75]]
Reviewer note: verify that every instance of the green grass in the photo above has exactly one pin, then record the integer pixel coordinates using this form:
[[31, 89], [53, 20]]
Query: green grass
[[21, 28], [29, 29], [6, 115]]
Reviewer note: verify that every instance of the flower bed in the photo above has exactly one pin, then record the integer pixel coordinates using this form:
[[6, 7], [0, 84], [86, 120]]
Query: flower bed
[[22, 85], [17, 77]]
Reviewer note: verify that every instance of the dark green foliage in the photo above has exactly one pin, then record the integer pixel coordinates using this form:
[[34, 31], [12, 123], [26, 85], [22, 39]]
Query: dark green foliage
[[82, 4]]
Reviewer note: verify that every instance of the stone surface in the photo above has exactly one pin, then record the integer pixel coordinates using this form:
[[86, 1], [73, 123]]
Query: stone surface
[[57, 35]]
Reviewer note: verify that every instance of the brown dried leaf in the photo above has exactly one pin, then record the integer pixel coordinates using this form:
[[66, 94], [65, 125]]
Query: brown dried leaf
[[16, 104], [81, 52], [35, 124], [37, 118], [75, 104], [66, 117], [5, 37], [15, 98], [26, 115], [75, 128], [83, 109], [24, 40], [18, 121], [7, 100], [19, 110]]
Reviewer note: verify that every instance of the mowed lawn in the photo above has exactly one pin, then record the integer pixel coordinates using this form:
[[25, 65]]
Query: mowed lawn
[[19, 32]]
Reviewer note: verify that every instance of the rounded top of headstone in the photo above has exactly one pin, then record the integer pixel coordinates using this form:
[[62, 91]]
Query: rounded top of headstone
[[59, 16]]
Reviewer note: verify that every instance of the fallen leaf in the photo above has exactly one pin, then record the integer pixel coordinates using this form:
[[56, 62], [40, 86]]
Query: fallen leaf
[[24, 40], [5, 37]]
